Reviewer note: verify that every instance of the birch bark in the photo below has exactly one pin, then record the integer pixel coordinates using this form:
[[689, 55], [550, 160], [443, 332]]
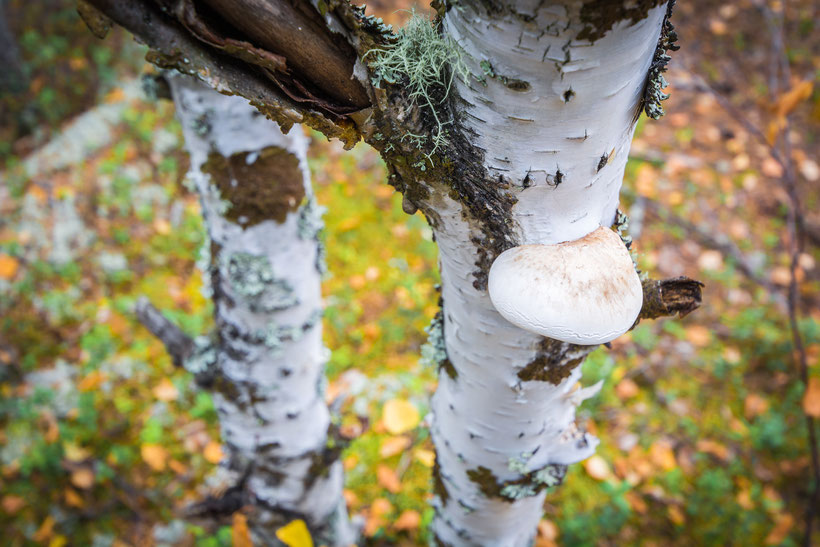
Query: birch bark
[[553, 122], [265, 363]]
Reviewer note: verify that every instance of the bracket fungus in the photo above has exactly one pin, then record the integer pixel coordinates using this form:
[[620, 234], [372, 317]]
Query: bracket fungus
[[583, 292]]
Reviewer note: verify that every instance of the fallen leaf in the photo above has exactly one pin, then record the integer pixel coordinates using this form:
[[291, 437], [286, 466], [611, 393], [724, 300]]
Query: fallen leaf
[[45, 531], [295, 534], [240, 534], [698, 335], [626, 389], [8, 266], [662, 455], [427, 458], [714, 448], [811, 399], [548, 530], [597, 468], [82, 478], [166, 391], [787, 102], [154, 455], [399, 416], [11, 504], [393, 445], [213, 452], [782, 527], [408, 520], [754, 405], [75, 453], [375, 515], [73, 499], [676, 515], [388, 479]]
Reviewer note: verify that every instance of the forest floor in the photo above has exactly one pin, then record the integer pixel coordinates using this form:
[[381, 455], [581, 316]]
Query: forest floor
[[701, 420]]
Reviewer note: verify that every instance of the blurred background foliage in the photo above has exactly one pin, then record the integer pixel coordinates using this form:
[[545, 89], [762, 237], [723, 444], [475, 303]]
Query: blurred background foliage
[[701, 420]]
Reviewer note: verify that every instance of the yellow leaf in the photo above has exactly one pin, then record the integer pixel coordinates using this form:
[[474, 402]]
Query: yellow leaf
[[82, 478], [399, 416], [213, 452], [811, 399], [154, 455], [295, 534], [75, 453], [793, 97], [597, 468], [240, 534], [427, 458], [166, 391], [8, 266]]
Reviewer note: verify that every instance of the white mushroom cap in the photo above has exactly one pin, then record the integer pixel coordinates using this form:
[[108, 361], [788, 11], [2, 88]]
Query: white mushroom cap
[[584, 292]]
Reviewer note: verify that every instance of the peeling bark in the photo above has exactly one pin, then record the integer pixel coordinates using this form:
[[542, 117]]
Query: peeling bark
[[267, 359]]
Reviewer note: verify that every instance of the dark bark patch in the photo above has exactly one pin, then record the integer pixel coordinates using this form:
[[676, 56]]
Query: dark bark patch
[[554, 361], [265, 189], [439, 489], [599, 16]]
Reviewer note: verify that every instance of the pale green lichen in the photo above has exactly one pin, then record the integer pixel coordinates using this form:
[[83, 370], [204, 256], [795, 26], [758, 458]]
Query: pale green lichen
[[422, 60], [203, 358], [252, 278]]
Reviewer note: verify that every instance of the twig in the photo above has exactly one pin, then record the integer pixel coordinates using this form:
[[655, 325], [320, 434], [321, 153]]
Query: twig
[[179, 345], [722, 244]]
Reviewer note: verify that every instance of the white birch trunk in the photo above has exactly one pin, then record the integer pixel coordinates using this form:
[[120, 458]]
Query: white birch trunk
[[554, 122], [268, 358]]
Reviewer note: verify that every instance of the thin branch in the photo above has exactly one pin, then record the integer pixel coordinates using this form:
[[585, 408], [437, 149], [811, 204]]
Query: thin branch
[[179, 345]]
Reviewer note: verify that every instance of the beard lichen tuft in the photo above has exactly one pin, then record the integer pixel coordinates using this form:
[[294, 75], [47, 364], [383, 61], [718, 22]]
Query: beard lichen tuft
[[426, 64]]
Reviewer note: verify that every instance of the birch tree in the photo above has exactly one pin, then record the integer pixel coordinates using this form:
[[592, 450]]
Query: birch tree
[[264, 363], [507, 123]]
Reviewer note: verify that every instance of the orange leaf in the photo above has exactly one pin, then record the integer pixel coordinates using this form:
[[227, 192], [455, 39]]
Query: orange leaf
[[11, 504], [166, 391], [408, 520], [399, 416], [73, 499], [82, 478], [393, 445], [811, 399], [240, 534], [781, 529], [8, 266], [661, 455], [388, 478], [597, 468], [793, 97], [45, 531], [154, 455], [213, 452]]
